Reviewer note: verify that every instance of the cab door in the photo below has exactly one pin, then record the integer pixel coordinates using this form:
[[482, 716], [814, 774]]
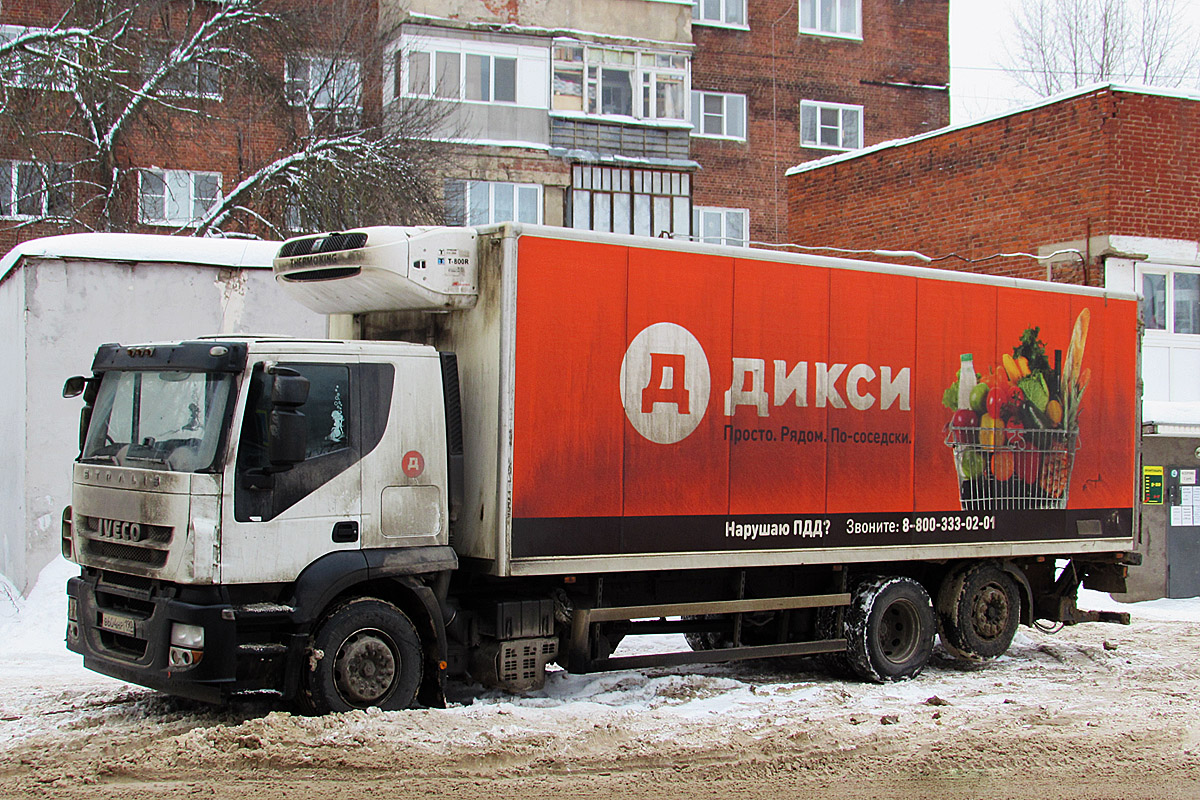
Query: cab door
[[405, 481], [284, 519]]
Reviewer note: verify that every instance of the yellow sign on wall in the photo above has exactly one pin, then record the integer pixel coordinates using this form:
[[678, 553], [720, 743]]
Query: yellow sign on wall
[[1152, 485]]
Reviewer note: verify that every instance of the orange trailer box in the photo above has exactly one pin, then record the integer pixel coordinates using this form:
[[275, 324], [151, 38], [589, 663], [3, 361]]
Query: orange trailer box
[[758, 407]]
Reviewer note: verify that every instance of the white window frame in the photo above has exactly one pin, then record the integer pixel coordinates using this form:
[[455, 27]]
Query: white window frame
[[731, 106], [11, 201], [328, 84], [179, 179], [651, 73], [842, 109], [328, 71], [172, 85], [724, 10], [641, 201], [1168, 358], [476, 202], [22, 74], [1168, 273], [813, 18], [463, 53], [722, 217]]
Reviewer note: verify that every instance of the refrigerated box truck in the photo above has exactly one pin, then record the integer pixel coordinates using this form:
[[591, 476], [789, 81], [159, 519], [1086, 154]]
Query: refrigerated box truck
[[555, 439]]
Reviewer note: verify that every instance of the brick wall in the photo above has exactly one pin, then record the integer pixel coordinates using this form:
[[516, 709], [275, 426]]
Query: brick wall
[[777, 67], [237, 135], [1102, 163]]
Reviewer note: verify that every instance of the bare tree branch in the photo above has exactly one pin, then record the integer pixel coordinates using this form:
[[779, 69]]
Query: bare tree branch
[[1065, 44], [114, 74]]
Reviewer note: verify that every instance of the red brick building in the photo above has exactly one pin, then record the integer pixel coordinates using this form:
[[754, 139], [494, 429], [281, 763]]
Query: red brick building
[[1067, 173], [1109, 176], [212, 126], [690, 114], [813, 77]]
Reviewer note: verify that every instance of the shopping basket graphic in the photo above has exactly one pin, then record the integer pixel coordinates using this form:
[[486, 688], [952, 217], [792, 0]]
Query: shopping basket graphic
[[1012, 470]]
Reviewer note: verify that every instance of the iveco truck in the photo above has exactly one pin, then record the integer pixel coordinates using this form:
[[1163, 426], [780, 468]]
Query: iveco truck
[[532, 442]]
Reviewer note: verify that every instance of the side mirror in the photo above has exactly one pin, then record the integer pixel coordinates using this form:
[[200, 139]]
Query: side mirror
[[287, 437], [89, 388], [289, 389], [74, 386], [287, 430]]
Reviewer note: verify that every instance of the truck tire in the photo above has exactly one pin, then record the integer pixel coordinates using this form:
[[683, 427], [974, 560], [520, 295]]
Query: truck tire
[[828, 627], [366, 652], [978, 609], [706, 640], [890, 629]]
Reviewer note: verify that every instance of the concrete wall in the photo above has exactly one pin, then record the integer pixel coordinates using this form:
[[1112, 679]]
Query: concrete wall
[[12, 430], [70, 308], [660, 20]]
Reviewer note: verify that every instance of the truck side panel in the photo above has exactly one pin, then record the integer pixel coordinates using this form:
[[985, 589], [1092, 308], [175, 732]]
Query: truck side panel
[[770, 478], [687, 402]]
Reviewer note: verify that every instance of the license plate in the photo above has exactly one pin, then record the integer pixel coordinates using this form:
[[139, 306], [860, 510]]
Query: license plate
[[116, 624]]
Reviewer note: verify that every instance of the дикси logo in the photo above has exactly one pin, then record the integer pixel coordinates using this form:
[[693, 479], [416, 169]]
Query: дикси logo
[[665, 383]]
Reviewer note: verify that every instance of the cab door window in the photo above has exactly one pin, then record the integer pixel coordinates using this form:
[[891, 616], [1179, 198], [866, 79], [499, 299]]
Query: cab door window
[[261, 493]]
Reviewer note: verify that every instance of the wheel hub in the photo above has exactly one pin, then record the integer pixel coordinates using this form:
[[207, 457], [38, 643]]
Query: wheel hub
[[365, 668], [898, 632], [990, 613]]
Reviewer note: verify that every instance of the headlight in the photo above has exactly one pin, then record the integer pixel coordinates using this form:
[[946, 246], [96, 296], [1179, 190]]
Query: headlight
[[187, 646], [189, 636]]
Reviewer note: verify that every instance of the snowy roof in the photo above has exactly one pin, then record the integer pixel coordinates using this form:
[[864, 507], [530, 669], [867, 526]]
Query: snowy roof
[[145, 247], [1046, 101], [1172, 418], [492, 26]]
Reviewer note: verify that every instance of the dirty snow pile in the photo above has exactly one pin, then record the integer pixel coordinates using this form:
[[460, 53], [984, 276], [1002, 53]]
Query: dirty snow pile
[[44, 688]]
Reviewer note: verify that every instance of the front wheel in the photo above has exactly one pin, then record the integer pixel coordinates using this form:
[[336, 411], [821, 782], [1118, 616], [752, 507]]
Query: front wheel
[[890, 629], [365, 653]]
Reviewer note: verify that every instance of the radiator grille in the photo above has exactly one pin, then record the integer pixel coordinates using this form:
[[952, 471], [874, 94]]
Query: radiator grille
[[131, 554], [331, 243]]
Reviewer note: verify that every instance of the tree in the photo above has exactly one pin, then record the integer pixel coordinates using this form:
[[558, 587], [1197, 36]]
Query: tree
[[340, 165], [97, 105], [1064, 44]]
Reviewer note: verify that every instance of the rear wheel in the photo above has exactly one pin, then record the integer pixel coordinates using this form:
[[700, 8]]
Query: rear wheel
[[365, 653], [978, 609], [889, 629], [707, 640]]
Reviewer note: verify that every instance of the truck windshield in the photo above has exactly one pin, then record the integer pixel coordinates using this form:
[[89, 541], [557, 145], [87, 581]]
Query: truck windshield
[[160, 419]]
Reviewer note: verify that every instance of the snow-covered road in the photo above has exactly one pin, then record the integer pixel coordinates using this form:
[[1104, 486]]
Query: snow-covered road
[[1095, 711]]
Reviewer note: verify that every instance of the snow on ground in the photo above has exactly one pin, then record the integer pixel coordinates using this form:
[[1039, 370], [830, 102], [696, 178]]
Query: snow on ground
[[41, 679], [1105, 695], [1166, 609]]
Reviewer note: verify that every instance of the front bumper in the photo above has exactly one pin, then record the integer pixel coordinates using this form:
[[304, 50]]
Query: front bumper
[[123, 630]]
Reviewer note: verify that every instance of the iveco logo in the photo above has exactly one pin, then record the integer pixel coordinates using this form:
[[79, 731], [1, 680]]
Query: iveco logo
[[665, 383], [119, 531]]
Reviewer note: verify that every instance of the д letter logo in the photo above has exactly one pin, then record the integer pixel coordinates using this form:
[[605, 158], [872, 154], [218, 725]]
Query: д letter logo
[[665, 383]]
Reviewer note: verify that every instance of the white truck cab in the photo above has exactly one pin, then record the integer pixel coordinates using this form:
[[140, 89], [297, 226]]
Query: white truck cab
[[223, 465]]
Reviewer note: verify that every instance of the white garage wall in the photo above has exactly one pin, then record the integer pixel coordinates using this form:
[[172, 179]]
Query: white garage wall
[[71, 305]]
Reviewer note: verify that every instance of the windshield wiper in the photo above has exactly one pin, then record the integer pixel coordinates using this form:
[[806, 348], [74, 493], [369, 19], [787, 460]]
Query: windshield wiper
[[148, 459]]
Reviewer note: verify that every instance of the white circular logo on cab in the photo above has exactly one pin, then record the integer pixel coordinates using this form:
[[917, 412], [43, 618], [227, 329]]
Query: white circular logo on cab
[[665, 383]]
